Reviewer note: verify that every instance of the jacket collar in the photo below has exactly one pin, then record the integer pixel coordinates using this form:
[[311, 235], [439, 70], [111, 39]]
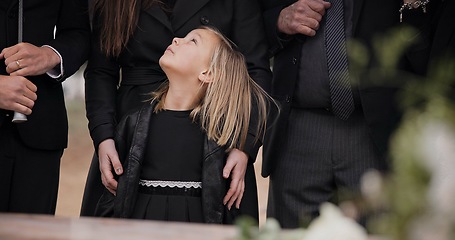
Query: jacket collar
[[183, 10], [156, 12]]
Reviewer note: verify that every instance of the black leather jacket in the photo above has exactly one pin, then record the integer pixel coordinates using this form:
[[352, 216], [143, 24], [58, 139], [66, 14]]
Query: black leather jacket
[[131, 141]]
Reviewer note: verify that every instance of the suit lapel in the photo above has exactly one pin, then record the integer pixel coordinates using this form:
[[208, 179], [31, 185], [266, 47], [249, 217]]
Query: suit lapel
[[358, 4], [445, 33], [10, 4], [184, 10], [156, 12]]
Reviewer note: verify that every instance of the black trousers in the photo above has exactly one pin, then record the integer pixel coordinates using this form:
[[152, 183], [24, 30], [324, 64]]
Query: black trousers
[[29, 177], [322, 157]]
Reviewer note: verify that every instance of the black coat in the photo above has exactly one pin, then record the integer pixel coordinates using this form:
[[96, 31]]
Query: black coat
[[108, 99], [47, 126], [436, 35], [370, 18], [131, 141], [239, 20]]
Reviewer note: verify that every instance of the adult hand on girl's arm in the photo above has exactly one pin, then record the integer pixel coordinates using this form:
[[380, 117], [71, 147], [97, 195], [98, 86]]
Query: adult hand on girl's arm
[[108, 159], [236, 165]]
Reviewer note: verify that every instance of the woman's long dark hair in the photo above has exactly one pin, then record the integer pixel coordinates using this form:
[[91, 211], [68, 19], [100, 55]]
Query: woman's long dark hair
[[117, 21]]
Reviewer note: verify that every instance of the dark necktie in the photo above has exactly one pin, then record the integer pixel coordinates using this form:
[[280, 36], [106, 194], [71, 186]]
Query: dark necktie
[[337, 61]]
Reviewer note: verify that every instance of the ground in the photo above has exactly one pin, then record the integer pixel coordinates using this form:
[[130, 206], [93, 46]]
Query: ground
[[76, 161]]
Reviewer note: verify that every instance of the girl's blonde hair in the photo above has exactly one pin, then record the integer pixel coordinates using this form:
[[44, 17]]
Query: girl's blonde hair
[[231, 97]]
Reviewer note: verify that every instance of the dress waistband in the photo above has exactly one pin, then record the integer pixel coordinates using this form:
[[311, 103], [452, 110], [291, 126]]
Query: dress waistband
[[193, 189], [141, 75]]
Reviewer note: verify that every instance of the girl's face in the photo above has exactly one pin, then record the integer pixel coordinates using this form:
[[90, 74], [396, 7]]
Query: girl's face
[[190, 56]]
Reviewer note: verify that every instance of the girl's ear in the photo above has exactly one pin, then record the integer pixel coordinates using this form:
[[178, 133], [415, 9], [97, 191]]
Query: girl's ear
[[205, 77]]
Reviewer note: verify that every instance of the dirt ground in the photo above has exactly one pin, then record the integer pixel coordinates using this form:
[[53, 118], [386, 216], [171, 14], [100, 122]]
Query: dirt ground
[[76, 161]]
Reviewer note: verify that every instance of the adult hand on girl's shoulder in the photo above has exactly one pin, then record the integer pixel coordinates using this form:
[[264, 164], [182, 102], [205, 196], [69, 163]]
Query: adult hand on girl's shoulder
[[108, 160], [235, 168]]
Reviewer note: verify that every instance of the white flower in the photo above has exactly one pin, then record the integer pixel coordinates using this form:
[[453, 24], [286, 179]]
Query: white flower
[[438, 154], [333, 225], [371, 186]]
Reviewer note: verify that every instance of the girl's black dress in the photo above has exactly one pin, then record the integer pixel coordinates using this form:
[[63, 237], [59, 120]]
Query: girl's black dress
[[170, 188]]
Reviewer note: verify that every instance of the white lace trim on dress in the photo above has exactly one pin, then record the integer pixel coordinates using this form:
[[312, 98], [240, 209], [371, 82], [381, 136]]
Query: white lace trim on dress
[[178, 184]]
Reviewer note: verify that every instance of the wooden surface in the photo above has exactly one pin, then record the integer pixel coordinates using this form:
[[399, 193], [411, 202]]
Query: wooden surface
[[27, 226]]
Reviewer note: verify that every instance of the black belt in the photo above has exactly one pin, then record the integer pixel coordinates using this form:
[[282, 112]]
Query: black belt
[[141, 76], [191, 192]]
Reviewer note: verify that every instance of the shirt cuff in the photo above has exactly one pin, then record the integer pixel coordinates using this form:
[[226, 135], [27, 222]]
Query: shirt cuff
[[56, 72]]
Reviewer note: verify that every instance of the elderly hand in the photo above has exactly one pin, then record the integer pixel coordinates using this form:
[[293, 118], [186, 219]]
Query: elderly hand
[[25, 59], [17, 94], [108, 160], [235, 168], [302, 17]]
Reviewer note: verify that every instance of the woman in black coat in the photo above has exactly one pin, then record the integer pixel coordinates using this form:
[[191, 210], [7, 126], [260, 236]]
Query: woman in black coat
[[124, 68]]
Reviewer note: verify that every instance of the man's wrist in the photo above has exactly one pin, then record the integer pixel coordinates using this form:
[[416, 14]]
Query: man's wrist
[[55, 60]]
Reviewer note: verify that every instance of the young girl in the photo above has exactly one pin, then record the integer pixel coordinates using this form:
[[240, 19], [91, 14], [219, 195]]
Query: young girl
[[174, 148], [129, 37]]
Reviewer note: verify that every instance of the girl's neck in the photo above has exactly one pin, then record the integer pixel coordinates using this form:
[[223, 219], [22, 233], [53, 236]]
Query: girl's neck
[[180, 97]]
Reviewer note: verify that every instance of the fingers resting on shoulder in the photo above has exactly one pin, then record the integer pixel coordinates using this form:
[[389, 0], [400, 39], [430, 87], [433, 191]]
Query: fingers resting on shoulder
[[235, 168], [110, 164]]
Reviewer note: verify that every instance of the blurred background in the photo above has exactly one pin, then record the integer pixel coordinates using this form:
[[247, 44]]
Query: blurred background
[[77, 157]]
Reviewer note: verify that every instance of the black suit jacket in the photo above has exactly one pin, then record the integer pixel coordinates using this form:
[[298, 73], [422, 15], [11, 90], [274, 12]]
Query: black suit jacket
[[47, 126], [444, 36], [436, 35], [370, 18]]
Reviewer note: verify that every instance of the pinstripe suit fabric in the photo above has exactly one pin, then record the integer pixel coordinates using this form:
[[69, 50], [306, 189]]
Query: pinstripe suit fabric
[[325, 154], [311, 154]]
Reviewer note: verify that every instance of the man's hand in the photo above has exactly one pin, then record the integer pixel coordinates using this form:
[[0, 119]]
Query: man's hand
[[302, 17], [108, 160], [17, 94], [25, 59], [235, 167]]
